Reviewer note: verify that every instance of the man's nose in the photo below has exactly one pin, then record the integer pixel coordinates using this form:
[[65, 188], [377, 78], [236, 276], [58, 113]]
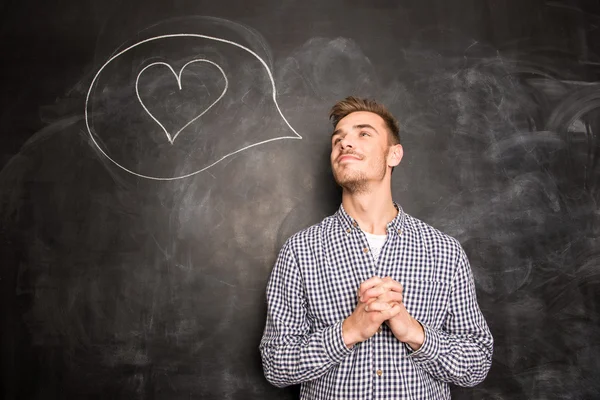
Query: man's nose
[[345, 142]]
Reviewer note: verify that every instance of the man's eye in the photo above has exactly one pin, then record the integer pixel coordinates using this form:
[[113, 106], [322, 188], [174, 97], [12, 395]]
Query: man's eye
[[336, 141], [365, 134]]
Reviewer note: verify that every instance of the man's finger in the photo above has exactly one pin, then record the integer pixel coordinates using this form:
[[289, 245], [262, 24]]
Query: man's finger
[[377, 290], [393, 285], [373, 292], [368, 284], [377, 306], [393, 311], [391, 297]]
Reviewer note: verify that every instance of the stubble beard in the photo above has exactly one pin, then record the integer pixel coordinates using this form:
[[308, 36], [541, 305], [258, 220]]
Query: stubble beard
[[357, 182]]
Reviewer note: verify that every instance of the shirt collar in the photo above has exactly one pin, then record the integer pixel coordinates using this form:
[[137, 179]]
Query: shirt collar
[[394, 226]]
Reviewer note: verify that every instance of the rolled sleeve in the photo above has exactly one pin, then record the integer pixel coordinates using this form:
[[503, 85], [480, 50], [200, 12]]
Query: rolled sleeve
[[430, 349], [334, 343]]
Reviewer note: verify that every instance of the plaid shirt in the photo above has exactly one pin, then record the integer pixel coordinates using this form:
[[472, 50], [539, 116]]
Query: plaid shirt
[[313, 288]]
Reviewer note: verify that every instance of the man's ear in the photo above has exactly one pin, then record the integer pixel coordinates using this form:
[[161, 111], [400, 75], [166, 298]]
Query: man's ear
[[395, 155]]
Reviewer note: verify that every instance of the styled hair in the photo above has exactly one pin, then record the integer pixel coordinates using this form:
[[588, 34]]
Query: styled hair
[[353, 104]]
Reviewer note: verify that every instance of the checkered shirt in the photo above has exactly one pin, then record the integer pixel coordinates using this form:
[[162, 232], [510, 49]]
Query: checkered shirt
[[313, 288]]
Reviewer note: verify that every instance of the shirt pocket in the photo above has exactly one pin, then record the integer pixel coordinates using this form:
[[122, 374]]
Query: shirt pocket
[[426, 300]]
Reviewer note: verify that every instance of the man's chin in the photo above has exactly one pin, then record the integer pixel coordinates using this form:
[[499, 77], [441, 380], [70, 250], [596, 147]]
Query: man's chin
[[354, 187], [351, 182], [347, 171]]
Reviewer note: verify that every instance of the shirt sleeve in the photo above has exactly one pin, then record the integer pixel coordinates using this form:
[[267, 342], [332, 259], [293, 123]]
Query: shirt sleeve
[[460, 352], [290, 352]]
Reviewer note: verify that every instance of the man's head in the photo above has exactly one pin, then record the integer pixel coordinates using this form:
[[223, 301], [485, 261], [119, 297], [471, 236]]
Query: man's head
[[365, 144]]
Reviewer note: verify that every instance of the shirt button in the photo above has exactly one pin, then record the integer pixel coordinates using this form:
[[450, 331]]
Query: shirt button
[[379, 330], [379, 372], [399, 231], [348, 230], [366, 250], [355, 224]]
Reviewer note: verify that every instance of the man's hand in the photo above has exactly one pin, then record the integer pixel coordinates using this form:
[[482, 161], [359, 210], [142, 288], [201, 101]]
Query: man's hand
[[404, 327], [368, 315]]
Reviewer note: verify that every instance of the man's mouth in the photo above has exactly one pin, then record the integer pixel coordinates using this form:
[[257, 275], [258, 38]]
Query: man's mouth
[[349, 157]]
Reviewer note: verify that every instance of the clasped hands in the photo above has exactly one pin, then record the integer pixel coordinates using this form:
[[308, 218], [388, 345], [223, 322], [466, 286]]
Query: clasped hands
[[380, 301]]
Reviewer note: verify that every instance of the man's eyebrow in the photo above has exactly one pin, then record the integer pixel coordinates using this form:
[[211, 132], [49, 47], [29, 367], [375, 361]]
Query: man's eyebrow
[[363, 126], [360, 126]]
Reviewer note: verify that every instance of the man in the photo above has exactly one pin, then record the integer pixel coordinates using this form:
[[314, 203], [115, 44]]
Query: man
[[337, 328]]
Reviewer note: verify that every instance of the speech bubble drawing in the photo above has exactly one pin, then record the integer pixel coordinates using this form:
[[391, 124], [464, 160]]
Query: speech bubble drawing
[[171, 137]]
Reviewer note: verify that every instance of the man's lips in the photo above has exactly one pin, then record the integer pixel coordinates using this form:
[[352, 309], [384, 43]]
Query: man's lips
[[348, 157]]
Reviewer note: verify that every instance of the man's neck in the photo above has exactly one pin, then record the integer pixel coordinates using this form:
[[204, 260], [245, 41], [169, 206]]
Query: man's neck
[[373, 210]]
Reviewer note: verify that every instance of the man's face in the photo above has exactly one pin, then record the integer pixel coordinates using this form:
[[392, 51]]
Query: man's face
[[360, 150]]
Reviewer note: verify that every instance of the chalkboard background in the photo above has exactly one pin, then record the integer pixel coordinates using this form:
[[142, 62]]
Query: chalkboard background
[[139, 225]]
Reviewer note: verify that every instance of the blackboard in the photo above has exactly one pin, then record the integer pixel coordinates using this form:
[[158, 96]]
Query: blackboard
[[154, 157]]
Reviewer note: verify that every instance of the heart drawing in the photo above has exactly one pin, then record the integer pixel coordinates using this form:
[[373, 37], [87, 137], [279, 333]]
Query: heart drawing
[[171, 137]]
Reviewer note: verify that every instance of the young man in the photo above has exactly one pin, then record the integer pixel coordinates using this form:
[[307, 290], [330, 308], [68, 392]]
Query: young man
[[372, 303]]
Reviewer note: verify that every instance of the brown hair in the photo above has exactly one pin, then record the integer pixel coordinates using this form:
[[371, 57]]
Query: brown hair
[[353, 104]]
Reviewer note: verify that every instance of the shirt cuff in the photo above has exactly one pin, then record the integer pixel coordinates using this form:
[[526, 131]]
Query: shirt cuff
[[334, 343], [429, 350]]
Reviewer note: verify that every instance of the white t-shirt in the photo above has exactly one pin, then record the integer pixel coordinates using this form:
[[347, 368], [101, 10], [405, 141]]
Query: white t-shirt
[[376, 242]]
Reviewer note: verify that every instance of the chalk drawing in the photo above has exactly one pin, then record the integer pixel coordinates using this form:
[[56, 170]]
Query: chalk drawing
[[178, 77], [295, 135]]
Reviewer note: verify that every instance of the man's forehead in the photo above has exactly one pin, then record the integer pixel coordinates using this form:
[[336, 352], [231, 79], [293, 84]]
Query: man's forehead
[[360, 120]]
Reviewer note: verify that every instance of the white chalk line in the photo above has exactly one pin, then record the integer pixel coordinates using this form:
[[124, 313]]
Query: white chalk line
[[178, 77], [89, 129]]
